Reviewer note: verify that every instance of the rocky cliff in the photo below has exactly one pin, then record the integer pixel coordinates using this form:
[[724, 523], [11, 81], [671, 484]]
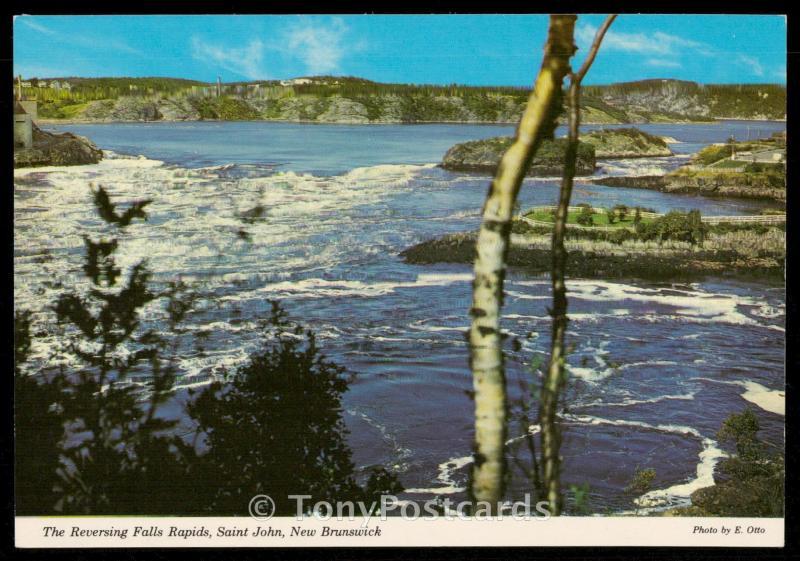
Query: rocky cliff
[[693, 100]]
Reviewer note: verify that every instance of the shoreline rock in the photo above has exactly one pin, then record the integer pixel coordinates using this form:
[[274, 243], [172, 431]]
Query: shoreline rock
[[728, 185], [622, 263], [50, 149], [650, 182]]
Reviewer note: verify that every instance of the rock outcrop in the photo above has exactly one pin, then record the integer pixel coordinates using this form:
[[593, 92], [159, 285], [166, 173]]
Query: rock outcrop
[[51, 149], [483, 156], [626, 143]]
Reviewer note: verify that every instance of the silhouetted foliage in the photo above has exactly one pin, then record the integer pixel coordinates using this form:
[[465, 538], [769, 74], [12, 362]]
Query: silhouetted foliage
[[275, 427], [38, 429], [751, 481], [107, 210], [91, 438]]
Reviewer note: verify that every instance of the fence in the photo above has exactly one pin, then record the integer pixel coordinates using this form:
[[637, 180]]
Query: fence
[[748, 219]]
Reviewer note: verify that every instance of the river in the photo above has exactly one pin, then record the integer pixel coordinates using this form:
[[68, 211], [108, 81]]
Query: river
[[654, 368]]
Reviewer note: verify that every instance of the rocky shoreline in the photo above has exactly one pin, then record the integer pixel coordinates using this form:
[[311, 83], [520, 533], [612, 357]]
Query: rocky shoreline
[[57, 149], [603, 261], [729, 185]]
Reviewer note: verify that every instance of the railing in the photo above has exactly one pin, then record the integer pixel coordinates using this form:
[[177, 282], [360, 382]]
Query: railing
[[576, 226], [597, 210], [746, 219], [766, 219]]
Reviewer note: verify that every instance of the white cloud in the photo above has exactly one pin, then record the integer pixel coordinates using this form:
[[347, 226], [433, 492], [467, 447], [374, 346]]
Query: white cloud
[[663, 63], [751, 62], [319, 46], [36, 26], [245, 61], [657, 43], [82, 41]]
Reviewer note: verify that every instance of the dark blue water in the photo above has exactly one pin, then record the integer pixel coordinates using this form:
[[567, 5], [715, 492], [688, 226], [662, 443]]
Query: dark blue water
[[654, 368]]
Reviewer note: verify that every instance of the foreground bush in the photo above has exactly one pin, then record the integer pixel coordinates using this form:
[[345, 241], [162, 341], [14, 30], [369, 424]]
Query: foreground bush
[[751, 481]]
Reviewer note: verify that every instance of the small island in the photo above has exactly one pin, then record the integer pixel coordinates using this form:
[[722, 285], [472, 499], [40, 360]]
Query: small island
[[631, 243], [483, 156]]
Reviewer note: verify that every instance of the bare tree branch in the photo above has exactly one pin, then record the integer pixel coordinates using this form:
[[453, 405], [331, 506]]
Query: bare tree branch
[[554, 377]]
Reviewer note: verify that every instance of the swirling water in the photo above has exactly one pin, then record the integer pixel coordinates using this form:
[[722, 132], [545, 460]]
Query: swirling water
[[654, 368]]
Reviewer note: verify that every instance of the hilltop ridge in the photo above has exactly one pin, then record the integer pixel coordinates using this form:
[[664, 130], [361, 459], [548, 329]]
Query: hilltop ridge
[[346, 99]]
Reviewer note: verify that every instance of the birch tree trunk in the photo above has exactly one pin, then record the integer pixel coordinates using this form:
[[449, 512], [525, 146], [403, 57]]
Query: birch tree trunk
[[554, 377], [486, 357]]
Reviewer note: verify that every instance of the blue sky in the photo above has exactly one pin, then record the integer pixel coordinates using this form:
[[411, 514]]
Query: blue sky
[[465, 49]]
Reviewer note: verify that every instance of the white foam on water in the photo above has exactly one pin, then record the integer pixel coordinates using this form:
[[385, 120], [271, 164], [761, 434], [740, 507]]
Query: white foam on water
[[637, 167], [773, 401], [200, 213], [437, 328], [770, 312], [523, 296], [448, 468], [689, 305], [678, 494], [401, 454], [589, 374], [631, 401], [323, 288], [648, 363], [767, 399]]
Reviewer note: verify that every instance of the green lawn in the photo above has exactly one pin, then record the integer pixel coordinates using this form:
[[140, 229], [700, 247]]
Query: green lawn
[[598, 218]]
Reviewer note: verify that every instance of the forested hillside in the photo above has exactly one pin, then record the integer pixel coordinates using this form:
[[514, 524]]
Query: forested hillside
[[355, 100]]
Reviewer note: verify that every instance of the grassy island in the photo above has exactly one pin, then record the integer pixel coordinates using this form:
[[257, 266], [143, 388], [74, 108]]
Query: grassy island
[[673, 247]]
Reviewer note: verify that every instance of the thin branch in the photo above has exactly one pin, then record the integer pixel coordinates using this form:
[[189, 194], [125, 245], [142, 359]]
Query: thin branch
[[554, 376], [486, 356], [577, 78]]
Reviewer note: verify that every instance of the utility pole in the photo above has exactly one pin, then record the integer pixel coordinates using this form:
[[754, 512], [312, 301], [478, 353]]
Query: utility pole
[[219, 86]]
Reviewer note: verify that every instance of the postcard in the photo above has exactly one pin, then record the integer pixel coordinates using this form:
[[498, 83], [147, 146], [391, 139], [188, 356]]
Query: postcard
[[399, 280]]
